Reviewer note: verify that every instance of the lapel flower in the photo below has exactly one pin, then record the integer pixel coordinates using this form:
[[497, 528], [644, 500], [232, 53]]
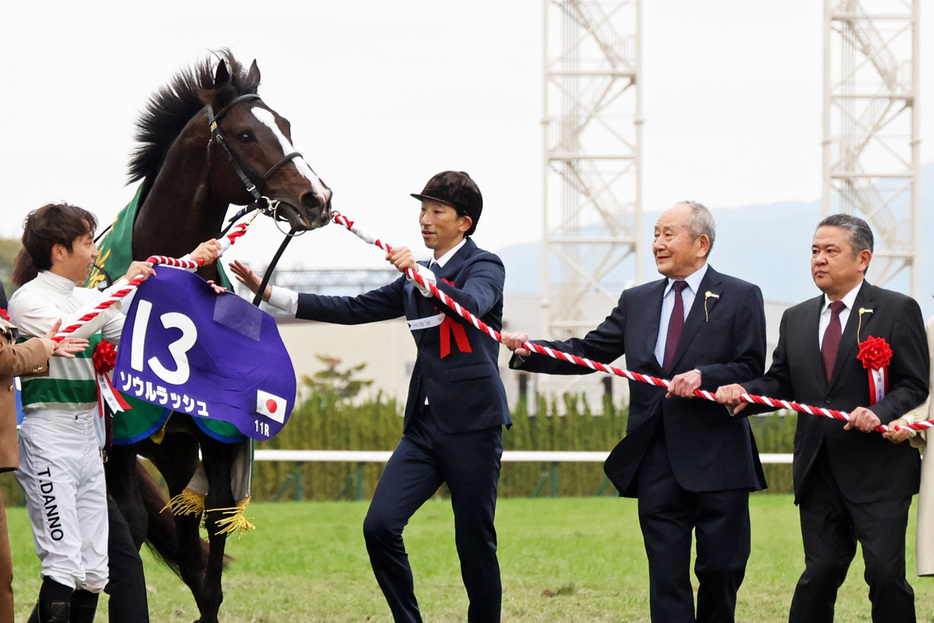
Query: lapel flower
[[709, 295], [5, 315], [875, 353], [105, 357]]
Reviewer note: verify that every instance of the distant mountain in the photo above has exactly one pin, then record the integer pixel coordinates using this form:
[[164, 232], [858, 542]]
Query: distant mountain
[[766, 244]]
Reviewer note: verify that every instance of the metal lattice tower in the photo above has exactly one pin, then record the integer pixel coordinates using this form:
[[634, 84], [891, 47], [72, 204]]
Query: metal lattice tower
[[871, 127], [592, 160]]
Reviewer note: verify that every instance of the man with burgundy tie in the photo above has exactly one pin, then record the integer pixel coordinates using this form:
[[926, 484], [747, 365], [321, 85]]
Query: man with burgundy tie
[[851, 485], [688, 462]]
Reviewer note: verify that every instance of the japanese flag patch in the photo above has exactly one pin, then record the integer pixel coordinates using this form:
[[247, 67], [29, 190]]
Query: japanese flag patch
[[271, 406]]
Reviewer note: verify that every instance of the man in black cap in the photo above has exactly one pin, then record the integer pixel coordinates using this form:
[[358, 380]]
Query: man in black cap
[[456, 407]]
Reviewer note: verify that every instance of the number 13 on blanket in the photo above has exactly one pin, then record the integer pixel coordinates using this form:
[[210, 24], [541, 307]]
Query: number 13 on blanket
[[211, 356]]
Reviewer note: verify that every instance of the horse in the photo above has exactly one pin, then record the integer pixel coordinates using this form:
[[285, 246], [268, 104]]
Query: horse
[[205, 140]]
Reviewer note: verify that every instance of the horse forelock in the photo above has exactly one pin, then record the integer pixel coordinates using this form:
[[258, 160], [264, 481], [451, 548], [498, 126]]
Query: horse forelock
[[171, 108]]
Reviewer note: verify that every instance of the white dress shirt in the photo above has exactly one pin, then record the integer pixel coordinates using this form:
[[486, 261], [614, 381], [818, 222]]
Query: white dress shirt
[[668, 304], [848, 301]]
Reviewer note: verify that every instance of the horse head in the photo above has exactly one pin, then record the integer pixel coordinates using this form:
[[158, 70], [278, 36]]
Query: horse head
[[263, 165]]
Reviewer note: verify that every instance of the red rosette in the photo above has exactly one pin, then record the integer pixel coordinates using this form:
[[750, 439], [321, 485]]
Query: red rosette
[[104, 357], [5, 315], [875, 353]]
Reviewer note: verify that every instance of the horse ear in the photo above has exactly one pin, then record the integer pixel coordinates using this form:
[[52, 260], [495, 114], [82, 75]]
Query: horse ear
[[221, 75], [253, 76]]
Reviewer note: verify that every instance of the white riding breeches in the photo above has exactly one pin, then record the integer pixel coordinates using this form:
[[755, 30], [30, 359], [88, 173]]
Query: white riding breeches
[[66, 494]]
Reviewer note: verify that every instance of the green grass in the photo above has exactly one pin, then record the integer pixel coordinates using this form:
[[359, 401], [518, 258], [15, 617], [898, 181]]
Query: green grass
[[568, 560]]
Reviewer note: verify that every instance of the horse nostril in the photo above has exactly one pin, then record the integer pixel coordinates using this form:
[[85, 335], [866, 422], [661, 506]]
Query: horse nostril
[[314, 204]]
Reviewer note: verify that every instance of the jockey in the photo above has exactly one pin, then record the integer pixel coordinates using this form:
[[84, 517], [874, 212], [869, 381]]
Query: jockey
[[62, 435]]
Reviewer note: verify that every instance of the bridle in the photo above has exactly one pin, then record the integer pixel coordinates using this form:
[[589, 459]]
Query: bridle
[[241, 168], [260, 202]]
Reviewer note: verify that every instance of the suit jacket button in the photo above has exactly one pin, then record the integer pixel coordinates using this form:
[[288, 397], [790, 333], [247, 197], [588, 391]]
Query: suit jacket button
[[828, 401]]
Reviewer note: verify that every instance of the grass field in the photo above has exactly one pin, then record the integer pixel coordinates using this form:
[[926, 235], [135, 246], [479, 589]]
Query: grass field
[[568, 560]]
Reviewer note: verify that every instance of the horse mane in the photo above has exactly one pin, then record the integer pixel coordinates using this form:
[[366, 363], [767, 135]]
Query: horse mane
[[171, 108]]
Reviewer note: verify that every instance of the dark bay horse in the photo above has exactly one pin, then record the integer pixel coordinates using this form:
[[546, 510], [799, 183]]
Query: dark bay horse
[[206, 140]]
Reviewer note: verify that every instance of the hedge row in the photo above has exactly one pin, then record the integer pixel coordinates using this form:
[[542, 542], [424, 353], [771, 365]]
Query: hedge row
[[323, 422]]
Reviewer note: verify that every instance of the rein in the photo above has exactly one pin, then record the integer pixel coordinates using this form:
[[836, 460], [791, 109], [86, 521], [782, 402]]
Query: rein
[[272, 266], [415, 277]]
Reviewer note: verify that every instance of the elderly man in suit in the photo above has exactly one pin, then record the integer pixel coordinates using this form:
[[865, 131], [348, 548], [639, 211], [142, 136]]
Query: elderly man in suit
[[456, 407], [688, 462], [851, 485]]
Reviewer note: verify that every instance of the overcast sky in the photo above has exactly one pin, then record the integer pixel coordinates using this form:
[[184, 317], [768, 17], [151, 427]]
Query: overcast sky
[[382, 95]]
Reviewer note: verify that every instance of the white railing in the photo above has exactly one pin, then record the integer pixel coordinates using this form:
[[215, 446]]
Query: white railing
[[353, 484], [509, 456]]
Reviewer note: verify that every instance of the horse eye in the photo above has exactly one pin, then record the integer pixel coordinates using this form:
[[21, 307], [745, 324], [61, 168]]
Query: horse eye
[[246, 136]]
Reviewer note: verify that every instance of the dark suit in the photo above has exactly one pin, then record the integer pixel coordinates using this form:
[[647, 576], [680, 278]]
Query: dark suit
[[851, 485], [690, 464], [456, 438]]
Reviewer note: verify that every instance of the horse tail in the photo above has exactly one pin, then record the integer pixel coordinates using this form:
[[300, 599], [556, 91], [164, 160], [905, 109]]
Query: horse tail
[[160, 532]]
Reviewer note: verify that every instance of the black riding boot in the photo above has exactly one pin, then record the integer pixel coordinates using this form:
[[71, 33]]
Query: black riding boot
[[54, 604], [52, 612], [55, 612], [83, 606]]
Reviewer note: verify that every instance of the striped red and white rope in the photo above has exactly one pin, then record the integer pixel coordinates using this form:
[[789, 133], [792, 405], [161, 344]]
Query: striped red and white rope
[[118, 291], [367, 236]]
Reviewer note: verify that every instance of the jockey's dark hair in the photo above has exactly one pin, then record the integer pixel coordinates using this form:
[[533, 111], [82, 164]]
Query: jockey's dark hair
[[52, 224]]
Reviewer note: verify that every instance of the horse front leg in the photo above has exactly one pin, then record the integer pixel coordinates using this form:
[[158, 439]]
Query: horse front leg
[[191, 556], [177, 460], [219, 505], [212, 593]]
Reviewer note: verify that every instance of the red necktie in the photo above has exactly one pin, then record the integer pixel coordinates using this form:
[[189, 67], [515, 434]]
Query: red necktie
[[675, 324], [831, 343]]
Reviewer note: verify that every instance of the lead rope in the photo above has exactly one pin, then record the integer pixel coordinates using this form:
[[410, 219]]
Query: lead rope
[[116, 292], [415, 277]]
